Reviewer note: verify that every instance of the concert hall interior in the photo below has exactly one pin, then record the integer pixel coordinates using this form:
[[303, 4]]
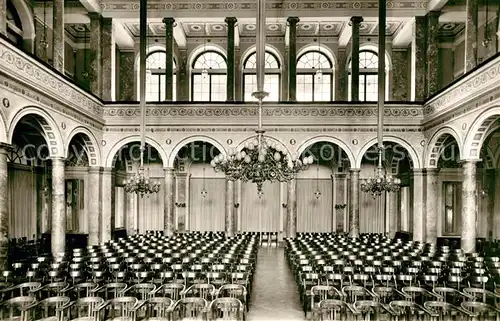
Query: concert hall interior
[[249, 160]]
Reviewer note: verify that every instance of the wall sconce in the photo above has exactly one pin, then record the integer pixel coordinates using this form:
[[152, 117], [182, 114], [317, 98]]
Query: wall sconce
[[180, 204], [340, 206], [236, 205], [284, 205]]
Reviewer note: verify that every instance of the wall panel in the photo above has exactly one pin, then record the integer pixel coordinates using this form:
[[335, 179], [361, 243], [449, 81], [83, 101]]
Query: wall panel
[[260, 215], [22, 202], [314, 215], [207, 213]]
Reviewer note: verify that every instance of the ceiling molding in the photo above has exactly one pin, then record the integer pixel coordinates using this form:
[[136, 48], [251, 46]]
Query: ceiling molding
[[403, 37], [91, 5]]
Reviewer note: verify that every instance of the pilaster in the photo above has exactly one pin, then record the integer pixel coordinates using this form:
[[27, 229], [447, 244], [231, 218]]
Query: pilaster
[[230, 83], [108, 59], [108, 206], [291, 210], [433, 67], [4, 209], [229, 208], [354, 203], [419, 61], [418, 206], [168, 210], [95, 66], [431, 205], [94, 205]]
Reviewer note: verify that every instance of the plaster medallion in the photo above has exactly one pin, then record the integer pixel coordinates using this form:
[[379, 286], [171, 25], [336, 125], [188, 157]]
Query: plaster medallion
[[464, 126], [168, 141], [63, 125], [103, 142], [6, 102], [422, 142], [230, 6], [229, 141], [355, 142], [292, 141]]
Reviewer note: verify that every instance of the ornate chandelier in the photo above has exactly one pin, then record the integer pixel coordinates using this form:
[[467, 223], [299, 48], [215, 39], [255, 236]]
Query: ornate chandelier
[[141, 184], [260, 161], [380, 182]]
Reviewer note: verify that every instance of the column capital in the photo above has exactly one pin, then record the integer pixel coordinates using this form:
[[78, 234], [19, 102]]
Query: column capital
[[432, 171], [107, 20], [418, 171], [434, 13], [168, 169], [57, 158], [356, 19], [5, 148], [293, 20], [107, 170], [168, 21], [354, 170], [230, 20], [470, 160]]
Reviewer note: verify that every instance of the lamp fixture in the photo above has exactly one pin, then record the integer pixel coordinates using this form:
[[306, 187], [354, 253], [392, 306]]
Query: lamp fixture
[[317, 192], [43, 42], [204, 72], [319, 72], [141, 184], [85, 72], [204, 190], [487, 38], [260, 160], [381, 182]]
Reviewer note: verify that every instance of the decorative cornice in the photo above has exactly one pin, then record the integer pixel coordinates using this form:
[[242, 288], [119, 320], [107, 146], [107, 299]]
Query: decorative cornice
[[282, 111], [18, 65], [294, 129], [467, 89], [42, 98]]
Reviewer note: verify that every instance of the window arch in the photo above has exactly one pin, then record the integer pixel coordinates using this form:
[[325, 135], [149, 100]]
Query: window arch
[[368, 76], [155, 76], [209, 77], [314, 77], [272, 80]]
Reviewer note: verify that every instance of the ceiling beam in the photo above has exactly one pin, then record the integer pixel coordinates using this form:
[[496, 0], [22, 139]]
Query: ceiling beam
[[436, 5], [345, 35], [179, 35], [404, 36], [123, 38], [91, 5]]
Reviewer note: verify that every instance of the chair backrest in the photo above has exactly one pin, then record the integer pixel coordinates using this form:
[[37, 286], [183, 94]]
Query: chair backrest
[[159, 307], [189, 308], [226, 309]]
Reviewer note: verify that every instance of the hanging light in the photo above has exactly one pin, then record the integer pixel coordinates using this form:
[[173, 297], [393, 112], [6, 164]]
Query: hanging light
[[259, 160], [141, 184], [317, 192], [85, 73], [487, 38], [204, 190], [204, 72], [381, 182], [43, 42], [319, 72]]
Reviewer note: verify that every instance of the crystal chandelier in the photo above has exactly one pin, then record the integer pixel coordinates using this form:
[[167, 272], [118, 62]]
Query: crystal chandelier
[[380, 182], [141, 184], [260, 160]]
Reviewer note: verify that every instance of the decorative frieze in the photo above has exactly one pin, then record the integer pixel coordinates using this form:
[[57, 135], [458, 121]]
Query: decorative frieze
[[18, 65], [367, 128]]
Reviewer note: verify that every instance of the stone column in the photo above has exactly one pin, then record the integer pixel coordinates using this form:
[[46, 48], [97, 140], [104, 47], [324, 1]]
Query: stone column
[[182, 76], [58, 234], [469, 206], [126, 73], [354, 203], [4, 210], [108, 60], [95, 44], [108, 206], [489, 179], [94, 204], [471, 35], [431, 205], [419, 61], [229, 217], [292, 58], [169, 58], [168, 210], [355, 22], [418, 222], [182, 200], [3, 17], [230, 91], [392, 213], [131, 209], [58, 35], [433, 67], [291, 209]]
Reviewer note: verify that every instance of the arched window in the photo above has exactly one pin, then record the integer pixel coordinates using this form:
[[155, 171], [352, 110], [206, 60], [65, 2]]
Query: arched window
[[314, 77], [368, 76], [155, 77], [209, 77], [14, 27], [272, 80]]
